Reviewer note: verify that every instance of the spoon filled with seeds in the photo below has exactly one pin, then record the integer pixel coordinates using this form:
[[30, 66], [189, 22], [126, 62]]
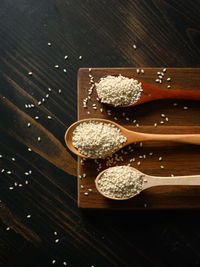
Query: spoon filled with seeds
[[125, 182], [98, 138], [126, 91]]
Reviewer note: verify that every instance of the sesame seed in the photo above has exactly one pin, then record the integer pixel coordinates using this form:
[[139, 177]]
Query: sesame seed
[[115, 118], [145, 205], [29, 149], [80, 57], [162, 167], [88, 112], [11, 188], [162, 122], [134, 46], [30, 73], [127, 118], [49, 117], [163, 115], [57, 240], [168, 86], [55, 233], [138, 71], [175, 104], [36, 117], [8, 228], [53, 261], [82, 186], [160, 77], [39, 139], [66, 57], [13, 159], [90, 69], [28, 216], [59, 91], [142, 71], [164, 70], [185, 107], [160, 81], [39, 103], [56, 66], [172, 175], [158, 73], [1, 156], [157, 80], [160, 158], [2, 170], [137, 125], [138, 163], [43, 100], [168, 79], [155, 124], [20, 185], [47, 95], [15, 184], [64, 70], [86, 193], [9, 172], [64, 263], [26, 173], [166, 119], [101, 110], [90, 189], [49, 89], [26, 182], [84, 175], [150, 153], [28, 124]]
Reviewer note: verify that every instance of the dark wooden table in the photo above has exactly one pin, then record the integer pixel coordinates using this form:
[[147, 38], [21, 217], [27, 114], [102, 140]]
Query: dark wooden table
[[40, 220]]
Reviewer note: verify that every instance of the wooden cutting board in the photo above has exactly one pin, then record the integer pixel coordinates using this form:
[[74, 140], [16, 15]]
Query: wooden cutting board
[[177, 159]]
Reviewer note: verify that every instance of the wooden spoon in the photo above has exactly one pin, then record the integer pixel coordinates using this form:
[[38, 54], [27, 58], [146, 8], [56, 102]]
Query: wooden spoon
[[151, 93], [152, 181], [131, 136]]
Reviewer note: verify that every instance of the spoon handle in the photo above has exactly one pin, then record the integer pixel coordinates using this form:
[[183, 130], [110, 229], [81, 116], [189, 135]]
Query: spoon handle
[[179, 94], [181, 138], [177, 180]]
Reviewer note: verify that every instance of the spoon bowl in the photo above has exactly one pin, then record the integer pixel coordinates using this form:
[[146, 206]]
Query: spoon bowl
[[131, 136], [153, 181], [152, 93]]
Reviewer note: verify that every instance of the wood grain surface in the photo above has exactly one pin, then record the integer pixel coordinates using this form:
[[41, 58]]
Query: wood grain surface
[[40, 222]]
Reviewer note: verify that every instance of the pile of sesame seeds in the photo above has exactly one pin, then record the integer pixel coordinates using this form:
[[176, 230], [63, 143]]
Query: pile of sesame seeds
[[118, 90], [97, 139], [120, 182]]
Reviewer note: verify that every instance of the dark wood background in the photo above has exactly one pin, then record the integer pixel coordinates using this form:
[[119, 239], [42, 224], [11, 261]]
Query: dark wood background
[[102, 32]]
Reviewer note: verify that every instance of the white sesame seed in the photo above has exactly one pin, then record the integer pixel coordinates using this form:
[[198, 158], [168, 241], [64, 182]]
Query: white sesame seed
[[11, 188], [155, 124], [20, 185], [1, 156], [64, 263], [162, 115], [175, 104], [49, 117], [82, 186], [8, 228], [39, 103], [9, 172], [84, 175], [47, 95], [39, 139], [150, 153], [13, 159], [160, 81], [29, 149], [86, 193], [88, 112], [66, 57], [142, 71], [162, 167], [166, 119], [57, 240], [127, 118], [64, 70], [157, 80], [138, 163], [36, 117], [160, 77], [145, 205], [101, 110], [137, 125], [49, 89], [164, 70], [26, 173], [28, 216], [28, 124], [90, 189], [168, 79], [59, 91], [168, 86], [26, 182], [172, 175], [56, 66], [30, 73], [185, 107], [53, 261], [162, 122], [160, 158], [90, 69], [158, 73], [80, 57], [2, 170], [43, 100], [115, 118], [138, 71], [15, 184], [134, 46], [55, 233], [49, 44]]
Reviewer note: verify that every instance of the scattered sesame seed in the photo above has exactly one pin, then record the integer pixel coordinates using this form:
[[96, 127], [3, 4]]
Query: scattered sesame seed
[[55, 233], [134, 46], [57, 240], [13, 159], [145, 205], [36, 117], [49, 117], [20, 185], [101, 110], [8, 228], [28, 216], [9, 172], [84, 175], [157, 80], [56, 66], [185, 107], [28, 124], [88, 112], [29, 149], [49, 44], [82, 186], [137, 125], [155, 124], [168, 79], [138, 163], [30, 73], [43, 100], [127, 118], [15, 184], [26, 182], [86, 193], [39, 103], [138, 71], [66, 57], [80, 57], [64, 263], [160, 77], [90, 69], [162, 115], [2, 170], [47, 95], [166, 119], [59, 91], [162, 167], [158, 73], [115, 118], [26, 173], [175, 104], [142, 71], [1, 156], [172, 175], [168, 86], [160, 81], [164, 70], [162, 122], [39, 139], [11, 188], [160, 158], [150, 153], [90, 189], [53, 261], [64, 70]]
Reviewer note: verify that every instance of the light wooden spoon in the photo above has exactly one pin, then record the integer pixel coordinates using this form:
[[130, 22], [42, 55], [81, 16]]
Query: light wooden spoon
[[152, 93], [152, 181], [131, 136]]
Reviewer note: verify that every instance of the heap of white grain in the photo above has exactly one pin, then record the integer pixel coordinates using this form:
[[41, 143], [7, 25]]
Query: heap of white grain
[[121, 182], [97, 139], [118, 90]]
